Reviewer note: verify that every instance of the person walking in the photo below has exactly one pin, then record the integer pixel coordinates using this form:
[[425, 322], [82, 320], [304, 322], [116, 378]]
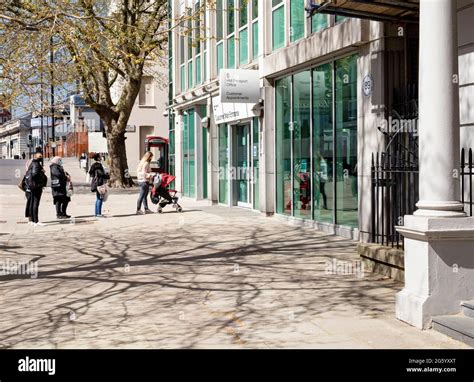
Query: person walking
[[35, 181], [143, 177], [59, 180], [99, 177]]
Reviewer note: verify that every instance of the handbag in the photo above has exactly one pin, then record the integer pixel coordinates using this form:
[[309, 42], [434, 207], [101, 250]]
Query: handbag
[[70, 189], [22, 184]]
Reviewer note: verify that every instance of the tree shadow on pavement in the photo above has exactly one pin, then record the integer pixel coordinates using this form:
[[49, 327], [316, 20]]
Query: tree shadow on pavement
[[182, 286]]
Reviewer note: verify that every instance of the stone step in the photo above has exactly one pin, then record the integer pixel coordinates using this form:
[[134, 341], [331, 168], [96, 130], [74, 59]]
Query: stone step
[[459, 327], [468, 308]]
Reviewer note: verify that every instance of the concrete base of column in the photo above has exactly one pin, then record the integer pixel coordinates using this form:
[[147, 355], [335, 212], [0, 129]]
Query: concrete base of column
[[439, 268], [440, 209]]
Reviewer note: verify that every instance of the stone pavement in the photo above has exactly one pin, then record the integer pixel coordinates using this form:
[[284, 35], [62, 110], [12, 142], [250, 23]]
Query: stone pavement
[[210, 277]]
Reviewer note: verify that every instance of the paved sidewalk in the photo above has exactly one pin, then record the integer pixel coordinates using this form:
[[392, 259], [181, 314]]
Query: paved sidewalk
[[210, 277]]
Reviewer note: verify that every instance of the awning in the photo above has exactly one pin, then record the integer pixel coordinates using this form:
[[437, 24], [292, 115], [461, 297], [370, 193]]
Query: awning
[[378, 10]]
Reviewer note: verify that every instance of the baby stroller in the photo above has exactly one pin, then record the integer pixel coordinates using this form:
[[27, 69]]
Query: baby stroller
[[163, 196]]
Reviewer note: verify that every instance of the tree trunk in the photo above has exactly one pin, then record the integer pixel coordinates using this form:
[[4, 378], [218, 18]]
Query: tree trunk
[[119, 172]]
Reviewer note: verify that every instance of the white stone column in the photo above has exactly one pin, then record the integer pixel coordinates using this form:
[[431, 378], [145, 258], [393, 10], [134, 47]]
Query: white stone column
[[439, 110], [438, 238]]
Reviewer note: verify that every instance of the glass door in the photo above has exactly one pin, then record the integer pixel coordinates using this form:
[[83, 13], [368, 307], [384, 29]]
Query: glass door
[[243, 165]]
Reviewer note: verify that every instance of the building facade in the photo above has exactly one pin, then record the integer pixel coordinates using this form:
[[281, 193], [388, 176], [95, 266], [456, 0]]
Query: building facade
[[329, 88]]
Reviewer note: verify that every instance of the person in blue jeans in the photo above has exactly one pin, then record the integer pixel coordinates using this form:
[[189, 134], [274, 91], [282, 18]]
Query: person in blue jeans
[[99, 177], [143, 178]]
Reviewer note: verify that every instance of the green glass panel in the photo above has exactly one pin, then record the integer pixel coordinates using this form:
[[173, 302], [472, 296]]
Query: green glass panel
[[278, 28], [243, 8], [242, 158], [243, 46], [205, 66], [223, 164], [323, 190], [219, 20], [230, 17], [297, 18], [283, 146], [276, 2], [340, 18], [254, 9], [190, 75], [182, 79], [255, 47], [204, 136], [231, 52], [192, 156], [346, 141], [302, 145], [198, 71], [255, 164], [318, 22], [220, 57], [185, 154]]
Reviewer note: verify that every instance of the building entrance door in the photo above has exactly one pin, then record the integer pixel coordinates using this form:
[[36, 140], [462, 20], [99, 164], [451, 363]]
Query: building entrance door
[[242, 171]]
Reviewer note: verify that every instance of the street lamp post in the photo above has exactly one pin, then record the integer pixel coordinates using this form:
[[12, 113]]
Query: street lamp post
[[53, 146]]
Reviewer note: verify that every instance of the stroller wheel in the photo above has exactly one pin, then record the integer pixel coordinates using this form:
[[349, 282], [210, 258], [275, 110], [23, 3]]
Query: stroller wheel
[[159, 210], [179, 209]]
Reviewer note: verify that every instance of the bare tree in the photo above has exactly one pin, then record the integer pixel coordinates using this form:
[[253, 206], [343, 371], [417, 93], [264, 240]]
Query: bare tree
[[105, 45]]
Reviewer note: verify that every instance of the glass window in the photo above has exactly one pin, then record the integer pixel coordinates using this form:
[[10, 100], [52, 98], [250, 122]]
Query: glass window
[[340, 18], [204, 137], [254, 9], [190, 35], [346, 141], [219, 20], [243, 46], [278, 27], [255, 163], [255, 47], [297, 19], [323, 195], [188, 154], [231, 52], [198, 70], [190, 75], [182, 77], [318, 22], [243, 12], [223, 164], [205, 66], [302, 144], [230, 17], [220, 57], [283, 145], [197, 29], [182, 50]]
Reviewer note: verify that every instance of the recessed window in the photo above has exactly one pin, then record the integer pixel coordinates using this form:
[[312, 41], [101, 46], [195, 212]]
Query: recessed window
[[147, 94]]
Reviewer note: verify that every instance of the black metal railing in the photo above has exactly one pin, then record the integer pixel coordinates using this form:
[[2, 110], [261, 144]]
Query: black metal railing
[[395, 192]]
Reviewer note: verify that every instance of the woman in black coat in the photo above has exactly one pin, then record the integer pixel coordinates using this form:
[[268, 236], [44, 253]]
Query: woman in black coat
[[98, 178], [59, 179]]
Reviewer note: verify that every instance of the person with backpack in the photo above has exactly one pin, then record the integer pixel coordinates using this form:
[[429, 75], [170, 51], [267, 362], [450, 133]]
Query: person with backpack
[[35, 181], [59, 180], [99, 177]]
